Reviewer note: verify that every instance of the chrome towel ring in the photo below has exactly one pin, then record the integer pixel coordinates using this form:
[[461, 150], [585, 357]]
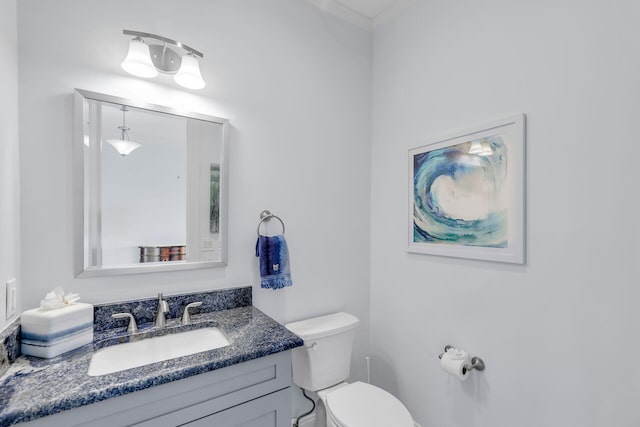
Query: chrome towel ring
[[266, 216]]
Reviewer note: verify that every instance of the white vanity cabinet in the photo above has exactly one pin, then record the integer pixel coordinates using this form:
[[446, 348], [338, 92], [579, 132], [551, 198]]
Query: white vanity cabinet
[[256, 393]]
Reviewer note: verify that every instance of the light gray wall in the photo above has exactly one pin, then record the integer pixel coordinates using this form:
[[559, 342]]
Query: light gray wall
[[9, 171], [143, 195], [143, 200], [295, 85], [560, 334]]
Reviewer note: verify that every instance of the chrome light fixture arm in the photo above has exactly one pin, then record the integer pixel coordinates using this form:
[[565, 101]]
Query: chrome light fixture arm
[[124, 129], [164, 40]]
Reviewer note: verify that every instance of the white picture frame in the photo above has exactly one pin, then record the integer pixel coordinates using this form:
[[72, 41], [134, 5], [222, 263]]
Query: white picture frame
[[467, 193]]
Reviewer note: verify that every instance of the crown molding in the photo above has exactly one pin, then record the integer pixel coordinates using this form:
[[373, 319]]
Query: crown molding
[[388, 12], [341, 11]]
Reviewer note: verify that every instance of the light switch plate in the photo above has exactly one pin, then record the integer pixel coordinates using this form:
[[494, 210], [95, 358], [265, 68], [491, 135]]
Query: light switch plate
[[12, 297], [206, 245]]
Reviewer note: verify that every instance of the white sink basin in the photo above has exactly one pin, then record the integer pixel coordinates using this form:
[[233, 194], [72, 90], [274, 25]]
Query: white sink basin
[[150, 350]]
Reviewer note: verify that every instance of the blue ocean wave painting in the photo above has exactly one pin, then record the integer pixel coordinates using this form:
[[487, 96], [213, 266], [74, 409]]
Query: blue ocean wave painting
[[461, 194]]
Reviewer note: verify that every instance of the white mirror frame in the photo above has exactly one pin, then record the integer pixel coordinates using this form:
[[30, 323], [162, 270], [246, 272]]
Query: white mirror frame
[[80, 269]]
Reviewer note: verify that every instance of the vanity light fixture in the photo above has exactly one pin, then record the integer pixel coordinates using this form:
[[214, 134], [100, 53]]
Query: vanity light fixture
[[124, 146], [160, 55]]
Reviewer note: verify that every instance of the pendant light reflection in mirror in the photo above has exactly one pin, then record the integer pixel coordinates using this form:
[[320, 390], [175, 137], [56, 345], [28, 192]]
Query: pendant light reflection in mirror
[[124, 145]]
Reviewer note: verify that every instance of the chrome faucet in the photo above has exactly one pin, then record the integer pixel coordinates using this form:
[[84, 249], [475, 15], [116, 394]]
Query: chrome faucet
[[163, 308]]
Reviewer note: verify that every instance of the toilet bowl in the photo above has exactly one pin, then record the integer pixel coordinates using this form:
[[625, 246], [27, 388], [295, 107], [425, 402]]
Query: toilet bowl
[[363, 405], [322, 365]]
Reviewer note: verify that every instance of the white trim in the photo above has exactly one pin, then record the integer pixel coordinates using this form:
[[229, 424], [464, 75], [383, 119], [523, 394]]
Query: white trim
[[356, 18], [341, 11], [306, 421], [387, 13]]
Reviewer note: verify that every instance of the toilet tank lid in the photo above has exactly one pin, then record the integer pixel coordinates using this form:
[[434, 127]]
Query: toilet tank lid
[[323, 326]]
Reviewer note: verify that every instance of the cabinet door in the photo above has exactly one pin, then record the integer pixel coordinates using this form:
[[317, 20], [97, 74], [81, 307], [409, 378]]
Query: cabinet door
[[272, 410]]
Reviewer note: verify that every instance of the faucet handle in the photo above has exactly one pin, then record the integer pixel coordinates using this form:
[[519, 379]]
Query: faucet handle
[[185, 315], [132, 327]]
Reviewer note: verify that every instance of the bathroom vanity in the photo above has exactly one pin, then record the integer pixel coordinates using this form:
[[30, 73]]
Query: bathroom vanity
[[246, 383], [253, 393]]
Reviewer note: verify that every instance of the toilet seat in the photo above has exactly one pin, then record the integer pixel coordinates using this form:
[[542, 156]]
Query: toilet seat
[[364, 405]]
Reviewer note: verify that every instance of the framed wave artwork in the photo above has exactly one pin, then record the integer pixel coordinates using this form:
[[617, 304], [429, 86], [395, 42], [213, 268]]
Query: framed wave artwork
[[466, 193]]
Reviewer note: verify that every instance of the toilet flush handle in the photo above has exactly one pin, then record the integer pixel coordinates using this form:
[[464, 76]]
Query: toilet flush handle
[[313, 346]]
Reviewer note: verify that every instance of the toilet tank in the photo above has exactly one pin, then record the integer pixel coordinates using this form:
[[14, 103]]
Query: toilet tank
[[325, 358]]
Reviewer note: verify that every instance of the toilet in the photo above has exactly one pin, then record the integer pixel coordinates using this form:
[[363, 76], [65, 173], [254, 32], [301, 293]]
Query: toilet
[[322, 365]]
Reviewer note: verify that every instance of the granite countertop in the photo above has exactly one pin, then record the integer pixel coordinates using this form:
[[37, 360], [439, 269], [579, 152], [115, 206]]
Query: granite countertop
[[34, 388]]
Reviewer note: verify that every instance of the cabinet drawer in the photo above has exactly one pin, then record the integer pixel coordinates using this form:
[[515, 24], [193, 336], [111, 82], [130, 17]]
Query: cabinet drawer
[[273, 410], [250, 381]]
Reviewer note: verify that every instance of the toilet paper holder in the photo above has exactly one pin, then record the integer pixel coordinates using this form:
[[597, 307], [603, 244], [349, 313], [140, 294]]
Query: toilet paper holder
[[476, 362]]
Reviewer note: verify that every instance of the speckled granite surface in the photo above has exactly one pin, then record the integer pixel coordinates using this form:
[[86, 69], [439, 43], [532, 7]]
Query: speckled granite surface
[[10, 337], [33, 388], [145, 310]]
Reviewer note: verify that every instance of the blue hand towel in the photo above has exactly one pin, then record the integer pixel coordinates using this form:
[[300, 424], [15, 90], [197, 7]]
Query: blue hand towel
[[274, 261]]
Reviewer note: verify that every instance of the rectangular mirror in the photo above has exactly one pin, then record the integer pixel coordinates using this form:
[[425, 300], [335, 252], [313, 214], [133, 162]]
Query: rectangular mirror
[[150, 184]]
